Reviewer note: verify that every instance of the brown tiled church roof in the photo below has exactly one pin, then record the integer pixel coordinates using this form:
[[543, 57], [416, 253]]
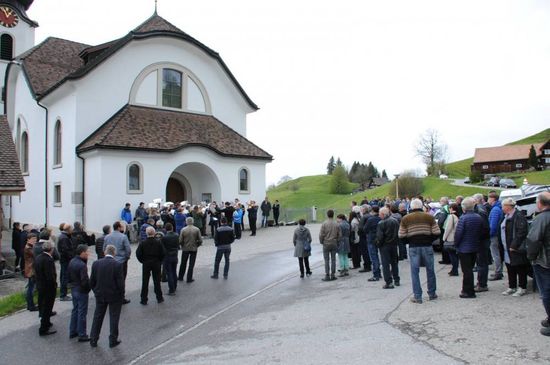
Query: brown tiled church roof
[[55, 61], [151, 129], [11, 179], [50, 62], [505, 153]]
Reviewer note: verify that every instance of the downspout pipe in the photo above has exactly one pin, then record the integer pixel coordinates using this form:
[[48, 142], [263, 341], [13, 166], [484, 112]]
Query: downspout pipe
[[46, 209], [83, 189]]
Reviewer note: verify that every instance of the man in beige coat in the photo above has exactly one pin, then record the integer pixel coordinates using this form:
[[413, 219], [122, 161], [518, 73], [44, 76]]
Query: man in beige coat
[[190, 240], [329, 237]]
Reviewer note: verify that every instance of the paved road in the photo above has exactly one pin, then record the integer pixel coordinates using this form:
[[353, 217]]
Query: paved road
[[264, 314]]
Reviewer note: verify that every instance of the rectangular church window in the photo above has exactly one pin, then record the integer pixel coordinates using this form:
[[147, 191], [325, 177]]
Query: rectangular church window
[[171, 88]]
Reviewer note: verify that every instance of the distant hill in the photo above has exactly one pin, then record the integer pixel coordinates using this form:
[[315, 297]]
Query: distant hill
[[460, 169], [307, 191]]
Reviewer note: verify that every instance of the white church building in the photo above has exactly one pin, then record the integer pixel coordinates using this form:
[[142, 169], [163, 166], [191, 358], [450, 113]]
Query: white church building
[[154, 114]]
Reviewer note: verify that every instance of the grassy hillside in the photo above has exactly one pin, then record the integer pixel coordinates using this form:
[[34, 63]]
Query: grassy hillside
[[308, 191], [461, 169], [535, 138]]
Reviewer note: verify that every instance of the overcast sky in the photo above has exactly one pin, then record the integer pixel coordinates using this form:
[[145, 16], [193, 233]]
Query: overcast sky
[[356, 79]]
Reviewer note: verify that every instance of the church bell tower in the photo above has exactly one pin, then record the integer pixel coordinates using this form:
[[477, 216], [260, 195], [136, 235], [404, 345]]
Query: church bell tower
[[16, 33]]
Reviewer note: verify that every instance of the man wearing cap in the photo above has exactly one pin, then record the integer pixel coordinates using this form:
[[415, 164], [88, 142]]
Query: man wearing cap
[[538, 251]]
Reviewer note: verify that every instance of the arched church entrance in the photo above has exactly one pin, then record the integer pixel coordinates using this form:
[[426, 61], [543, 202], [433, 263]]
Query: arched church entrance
[[175, 191], [193, 182]]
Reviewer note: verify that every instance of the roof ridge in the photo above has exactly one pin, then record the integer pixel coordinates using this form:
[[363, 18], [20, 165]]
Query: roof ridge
[[155, 16]]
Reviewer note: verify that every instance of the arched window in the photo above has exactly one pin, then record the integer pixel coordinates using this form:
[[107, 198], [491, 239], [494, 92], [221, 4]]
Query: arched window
[[169, 85], [24, 157], [243, 180], [135, 178], [6, 47], [57, 144]]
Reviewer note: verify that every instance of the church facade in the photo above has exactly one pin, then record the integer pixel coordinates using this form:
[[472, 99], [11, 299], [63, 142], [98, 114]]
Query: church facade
[[154, 114]]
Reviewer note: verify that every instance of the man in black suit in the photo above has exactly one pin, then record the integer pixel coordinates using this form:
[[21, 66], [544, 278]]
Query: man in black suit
[[107, 283], [46, 284]]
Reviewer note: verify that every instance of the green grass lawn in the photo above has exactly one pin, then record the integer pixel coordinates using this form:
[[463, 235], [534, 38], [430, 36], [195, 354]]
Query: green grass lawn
[[533, 177], [12, 303]]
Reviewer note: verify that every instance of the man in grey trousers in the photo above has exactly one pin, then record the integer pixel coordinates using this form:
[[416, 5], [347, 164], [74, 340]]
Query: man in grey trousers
[[122, 245], [329, 237]]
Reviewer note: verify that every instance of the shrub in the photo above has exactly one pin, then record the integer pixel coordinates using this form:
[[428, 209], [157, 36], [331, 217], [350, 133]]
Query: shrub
[[409, 185], [476, 177], [339, 183]]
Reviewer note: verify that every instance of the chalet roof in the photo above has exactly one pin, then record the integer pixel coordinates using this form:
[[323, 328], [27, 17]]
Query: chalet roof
[[11, 179], [151, 129], [55, 61], [505, 153]]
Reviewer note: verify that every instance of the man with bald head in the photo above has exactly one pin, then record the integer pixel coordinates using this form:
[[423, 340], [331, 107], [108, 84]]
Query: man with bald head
[[150, 253], [66, 253], [538, 251]]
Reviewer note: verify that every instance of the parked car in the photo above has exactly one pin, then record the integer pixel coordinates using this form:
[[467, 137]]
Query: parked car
[[443, 176], [467, 180], [494, 181], [507, 183]]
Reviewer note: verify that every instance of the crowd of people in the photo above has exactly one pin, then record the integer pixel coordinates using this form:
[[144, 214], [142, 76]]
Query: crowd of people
[[473, 233], [374, 237], [162, 233]]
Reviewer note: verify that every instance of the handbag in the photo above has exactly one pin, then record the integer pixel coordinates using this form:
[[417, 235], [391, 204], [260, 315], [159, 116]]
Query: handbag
[[449, 246], [307, 246]]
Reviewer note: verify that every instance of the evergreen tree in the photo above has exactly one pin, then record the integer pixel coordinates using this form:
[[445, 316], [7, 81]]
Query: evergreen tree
[[331, 165], [339, 162], [532, 161], [384, 175]]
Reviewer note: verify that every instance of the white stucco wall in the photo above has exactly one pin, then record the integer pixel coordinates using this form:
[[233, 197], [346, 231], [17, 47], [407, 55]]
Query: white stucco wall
[[30, 206], [107, 88], [106, 193]]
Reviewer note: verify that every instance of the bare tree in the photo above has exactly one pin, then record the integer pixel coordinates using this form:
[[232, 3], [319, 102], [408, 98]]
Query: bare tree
[[432, 150]]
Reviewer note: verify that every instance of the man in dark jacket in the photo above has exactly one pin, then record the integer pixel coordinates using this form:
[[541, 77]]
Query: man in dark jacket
[[370, 229], [107, 282], [151, 254], [484, 254], [170, 241], [66, 253], [100, 242], [223, 239], [387, 240], [252, 216], [46, 285], [80, 287], [471, 231], [363, 247], [276, 212], [538, 251], [266, 210]]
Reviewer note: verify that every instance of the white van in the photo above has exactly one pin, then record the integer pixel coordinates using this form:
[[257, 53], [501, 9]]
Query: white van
[[511, 193]]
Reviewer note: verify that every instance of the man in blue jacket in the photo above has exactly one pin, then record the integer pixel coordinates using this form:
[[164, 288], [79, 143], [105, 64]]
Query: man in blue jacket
[[495, 217]]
